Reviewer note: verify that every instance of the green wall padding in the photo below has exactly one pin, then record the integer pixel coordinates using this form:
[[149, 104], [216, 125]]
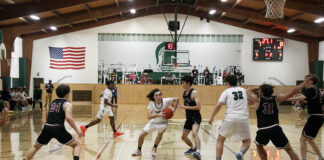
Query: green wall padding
[[23, 72], [15, 82], [6, 82]]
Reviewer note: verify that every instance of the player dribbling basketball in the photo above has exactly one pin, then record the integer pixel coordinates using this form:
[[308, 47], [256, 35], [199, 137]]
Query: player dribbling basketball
[[157, 119]]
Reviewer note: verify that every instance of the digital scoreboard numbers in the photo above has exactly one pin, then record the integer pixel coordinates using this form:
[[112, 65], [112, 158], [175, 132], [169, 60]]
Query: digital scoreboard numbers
[[268, 49], [169, 46]]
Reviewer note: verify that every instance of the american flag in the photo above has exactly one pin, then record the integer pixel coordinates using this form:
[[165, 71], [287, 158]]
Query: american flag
[[67, 58]]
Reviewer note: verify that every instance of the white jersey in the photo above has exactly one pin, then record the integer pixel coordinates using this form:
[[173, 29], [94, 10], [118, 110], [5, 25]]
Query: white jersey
[[106, 94], [236, 102], [157, 108]]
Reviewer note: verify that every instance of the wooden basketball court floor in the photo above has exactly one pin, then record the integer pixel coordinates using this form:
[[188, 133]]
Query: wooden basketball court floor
[[20, 133]]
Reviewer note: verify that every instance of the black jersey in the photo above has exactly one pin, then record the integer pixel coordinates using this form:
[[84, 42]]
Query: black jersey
[[189, 102], [314, 100], [267, 112], [56, 113]]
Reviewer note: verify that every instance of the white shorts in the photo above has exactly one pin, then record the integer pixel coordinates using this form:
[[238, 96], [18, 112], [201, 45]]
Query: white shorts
[[104, 111], [152, 126], [240, 127]]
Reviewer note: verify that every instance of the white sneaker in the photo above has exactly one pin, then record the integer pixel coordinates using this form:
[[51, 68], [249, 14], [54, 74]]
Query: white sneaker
[[137, 153], [154, 154]]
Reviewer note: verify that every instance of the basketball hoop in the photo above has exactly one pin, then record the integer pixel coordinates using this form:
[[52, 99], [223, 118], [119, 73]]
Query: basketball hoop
[[275, 9]]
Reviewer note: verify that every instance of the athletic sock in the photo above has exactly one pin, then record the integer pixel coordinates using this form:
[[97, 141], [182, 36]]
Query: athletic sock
[[155, 146], [198, 150], [76, 158], [139, 148], [218, 158], [115, 130], [303, 159], [86, 126]]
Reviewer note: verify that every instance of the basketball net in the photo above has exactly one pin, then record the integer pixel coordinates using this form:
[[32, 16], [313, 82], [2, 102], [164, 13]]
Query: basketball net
[[275, 9]]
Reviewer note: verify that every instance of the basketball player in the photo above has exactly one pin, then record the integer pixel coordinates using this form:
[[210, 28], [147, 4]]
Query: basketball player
[[105, 105], [268, 120], [315, 121], [157, 119], [193, 117], [59, 110], [4, 107], [236, 119]]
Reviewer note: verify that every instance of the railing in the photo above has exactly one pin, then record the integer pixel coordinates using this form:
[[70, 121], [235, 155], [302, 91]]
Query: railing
[[67, 76], [276, 79]]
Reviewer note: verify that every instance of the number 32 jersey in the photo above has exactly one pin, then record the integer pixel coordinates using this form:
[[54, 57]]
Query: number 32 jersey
[[236, 102], [56, 113], [267, 112]]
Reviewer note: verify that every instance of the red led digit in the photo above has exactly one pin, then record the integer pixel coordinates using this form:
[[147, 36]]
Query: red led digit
[[260, 44], [281, 44], [170, 46], [280, 54], [257, 54], [270, 54]]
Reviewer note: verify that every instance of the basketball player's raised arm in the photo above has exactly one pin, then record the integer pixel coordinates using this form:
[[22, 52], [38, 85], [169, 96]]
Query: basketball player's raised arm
[[68, 117], [287, 96], [251, 96]]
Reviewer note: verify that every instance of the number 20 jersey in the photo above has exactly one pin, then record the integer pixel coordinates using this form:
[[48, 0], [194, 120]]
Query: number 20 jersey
[[56, 113], [236, 102], [267, 112]]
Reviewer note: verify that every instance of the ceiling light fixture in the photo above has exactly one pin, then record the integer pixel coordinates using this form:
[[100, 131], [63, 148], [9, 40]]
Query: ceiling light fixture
[[223, 0], [53, 28], [213, 11], [133, 11], [319, 20], [34, 17], [291, 30]]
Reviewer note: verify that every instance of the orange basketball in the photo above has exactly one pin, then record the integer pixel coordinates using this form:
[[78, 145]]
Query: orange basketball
[[168, 113]]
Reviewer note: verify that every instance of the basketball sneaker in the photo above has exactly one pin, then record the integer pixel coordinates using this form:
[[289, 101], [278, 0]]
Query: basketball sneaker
[[154, 154], [83, 130], [116, 134], [137, 153], [189, 151], [196, 155]]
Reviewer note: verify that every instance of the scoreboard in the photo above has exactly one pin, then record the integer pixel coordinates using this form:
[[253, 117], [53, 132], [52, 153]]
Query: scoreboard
[[268, 49]]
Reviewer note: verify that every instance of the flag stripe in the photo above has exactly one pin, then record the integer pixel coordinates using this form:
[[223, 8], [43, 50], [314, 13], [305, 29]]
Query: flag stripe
[[68, 64], [82, 51], [67, 67], [74, 48], [66, 61], [73, 54], [67, 58], [73, 57]]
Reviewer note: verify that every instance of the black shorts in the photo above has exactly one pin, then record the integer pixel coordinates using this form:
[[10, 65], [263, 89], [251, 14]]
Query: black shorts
[[57, 132], [190, 122], [312, 126], [275, 134]]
